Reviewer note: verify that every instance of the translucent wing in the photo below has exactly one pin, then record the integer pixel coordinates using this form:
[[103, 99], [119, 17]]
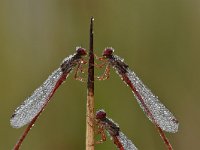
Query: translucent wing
[[126, 143], [150, 104], [35, 103]]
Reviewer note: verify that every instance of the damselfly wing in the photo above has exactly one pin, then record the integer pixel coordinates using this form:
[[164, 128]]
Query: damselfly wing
[[150, 103], [35, 104]]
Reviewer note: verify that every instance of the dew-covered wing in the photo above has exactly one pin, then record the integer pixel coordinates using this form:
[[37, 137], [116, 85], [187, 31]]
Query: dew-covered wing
[[126, 143], [162, 116], [33, 104]]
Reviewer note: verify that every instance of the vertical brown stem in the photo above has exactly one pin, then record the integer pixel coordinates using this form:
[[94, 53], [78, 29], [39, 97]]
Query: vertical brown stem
[[90, 96]]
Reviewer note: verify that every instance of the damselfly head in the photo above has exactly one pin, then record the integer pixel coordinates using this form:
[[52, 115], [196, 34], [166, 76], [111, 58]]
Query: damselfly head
[[81, 51], [100, 114], [108, 52]]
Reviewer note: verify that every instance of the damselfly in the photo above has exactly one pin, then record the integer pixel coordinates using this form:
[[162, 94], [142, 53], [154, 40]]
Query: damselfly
[[119, 139], [32, 107], [150, 104], [161, 117]]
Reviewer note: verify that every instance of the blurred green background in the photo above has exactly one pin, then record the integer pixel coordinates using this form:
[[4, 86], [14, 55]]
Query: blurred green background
[[159, 40]]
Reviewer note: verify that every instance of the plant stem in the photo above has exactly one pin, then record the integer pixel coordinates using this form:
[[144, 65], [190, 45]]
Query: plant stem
[[90, 95]]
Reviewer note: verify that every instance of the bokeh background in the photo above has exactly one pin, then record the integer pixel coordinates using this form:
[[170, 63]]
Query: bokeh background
[[159, 39]]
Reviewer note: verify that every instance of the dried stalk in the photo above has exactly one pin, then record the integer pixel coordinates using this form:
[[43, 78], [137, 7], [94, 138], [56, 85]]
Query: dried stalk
[[90, 96]]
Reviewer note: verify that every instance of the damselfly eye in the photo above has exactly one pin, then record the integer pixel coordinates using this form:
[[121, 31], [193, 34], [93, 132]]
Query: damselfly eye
[[81, 51], [108, 51], [100, 114]]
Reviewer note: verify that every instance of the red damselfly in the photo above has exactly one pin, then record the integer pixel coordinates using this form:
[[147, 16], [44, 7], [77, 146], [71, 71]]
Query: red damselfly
[[163, 119], [32, 107], [119, 139]]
